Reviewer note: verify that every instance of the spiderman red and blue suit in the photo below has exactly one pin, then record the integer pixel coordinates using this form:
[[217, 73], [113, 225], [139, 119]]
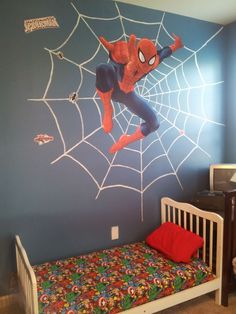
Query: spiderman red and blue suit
[[115, 81]]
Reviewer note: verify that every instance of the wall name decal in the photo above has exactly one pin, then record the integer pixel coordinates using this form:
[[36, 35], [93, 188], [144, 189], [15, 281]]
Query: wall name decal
[[40, 23]]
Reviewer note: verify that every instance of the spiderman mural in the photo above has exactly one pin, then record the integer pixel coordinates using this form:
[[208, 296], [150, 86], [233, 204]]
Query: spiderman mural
[[129, 62]]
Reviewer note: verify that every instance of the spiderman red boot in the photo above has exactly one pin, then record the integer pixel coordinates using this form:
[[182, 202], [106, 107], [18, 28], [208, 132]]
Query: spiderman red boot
[[126, 139], [108, 110]]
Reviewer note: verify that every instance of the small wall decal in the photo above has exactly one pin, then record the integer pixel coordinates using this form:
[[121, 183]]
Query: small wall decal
[[40, 23], [73, 97], [60, 55], [41, 139]]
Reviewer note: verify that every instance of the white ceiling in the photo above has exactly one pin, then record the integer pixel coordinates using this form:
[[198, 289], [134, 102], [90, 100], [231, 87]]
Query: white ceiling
[[216, 11]]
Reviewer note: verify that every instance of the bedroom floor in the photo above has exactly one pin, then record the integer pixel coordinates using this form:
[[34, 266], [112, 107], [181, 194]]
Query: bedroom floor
[[204, 304]]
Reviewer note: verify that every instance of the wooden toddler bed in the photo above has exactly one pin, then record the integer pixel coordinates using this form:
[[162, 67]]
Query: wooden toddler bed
[[134, 278]]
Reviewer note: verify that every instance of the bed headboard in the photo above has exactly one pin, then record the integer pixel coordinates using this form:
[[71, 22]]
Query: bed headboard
[[208, 225]]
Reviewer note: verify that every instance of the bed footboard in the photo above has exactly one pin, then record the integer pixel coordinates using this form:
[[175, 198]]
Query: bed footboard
[[208, 225], [26, 278]]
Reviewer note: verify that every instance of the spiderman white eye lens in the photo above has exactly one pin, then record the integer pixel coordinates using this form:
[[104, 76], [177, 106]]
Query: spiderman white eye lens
[[152, 60], [141, 56]]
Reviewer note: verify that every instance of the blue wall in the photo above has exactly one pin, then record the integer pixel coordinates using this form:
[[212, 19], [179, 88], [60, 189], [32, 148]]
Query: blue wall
[[230, 99], [63, 197]]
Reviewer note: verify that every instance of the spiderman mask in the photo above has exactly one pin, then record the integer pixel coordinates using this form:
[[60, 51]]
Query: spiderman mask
[[147, 58]]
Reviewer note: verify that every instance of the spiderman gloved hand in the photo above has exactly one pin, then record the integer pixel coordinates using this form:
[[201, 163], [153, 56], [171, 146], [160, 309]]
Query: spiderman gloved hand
[[177, 43]]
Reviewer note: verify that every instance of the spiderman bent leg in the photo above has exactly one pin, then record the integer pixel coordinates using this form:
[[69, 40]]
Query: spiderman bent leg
[[105, 76], [141, 108]]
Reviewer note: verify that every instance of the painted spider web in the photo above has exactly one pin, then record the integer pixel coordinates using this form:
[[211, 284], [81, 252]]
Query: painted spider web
[[170, 89]]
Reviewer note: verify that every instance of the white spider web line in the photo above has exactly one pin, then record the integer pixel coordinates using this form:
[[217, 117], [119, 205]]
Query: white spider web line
[[150, 91], [194, 53]]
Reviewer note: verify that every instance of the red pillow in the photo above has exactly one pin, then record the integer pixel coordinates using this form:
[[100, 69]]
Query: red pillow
[[175, 242]]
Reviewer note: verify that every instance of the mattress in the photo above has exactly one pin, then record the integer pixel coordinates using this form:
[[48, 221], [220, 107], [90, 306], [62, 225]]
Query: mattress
[[113, 280]]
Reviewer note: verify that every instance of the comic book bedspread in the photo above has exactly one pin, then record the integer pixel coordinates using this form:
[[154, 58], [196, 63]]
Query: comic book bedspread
[[113, 280]]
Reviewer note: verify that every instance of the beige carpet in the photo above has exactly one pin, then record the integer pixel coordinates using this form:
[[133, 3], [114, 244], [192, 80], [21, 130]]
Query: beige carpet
[[201, 305]]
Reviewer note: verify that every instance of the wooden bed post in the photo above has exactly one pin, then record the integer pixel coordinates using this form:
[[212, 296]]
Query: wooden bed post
[[219, 263], [229, 250], [27, 279]]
